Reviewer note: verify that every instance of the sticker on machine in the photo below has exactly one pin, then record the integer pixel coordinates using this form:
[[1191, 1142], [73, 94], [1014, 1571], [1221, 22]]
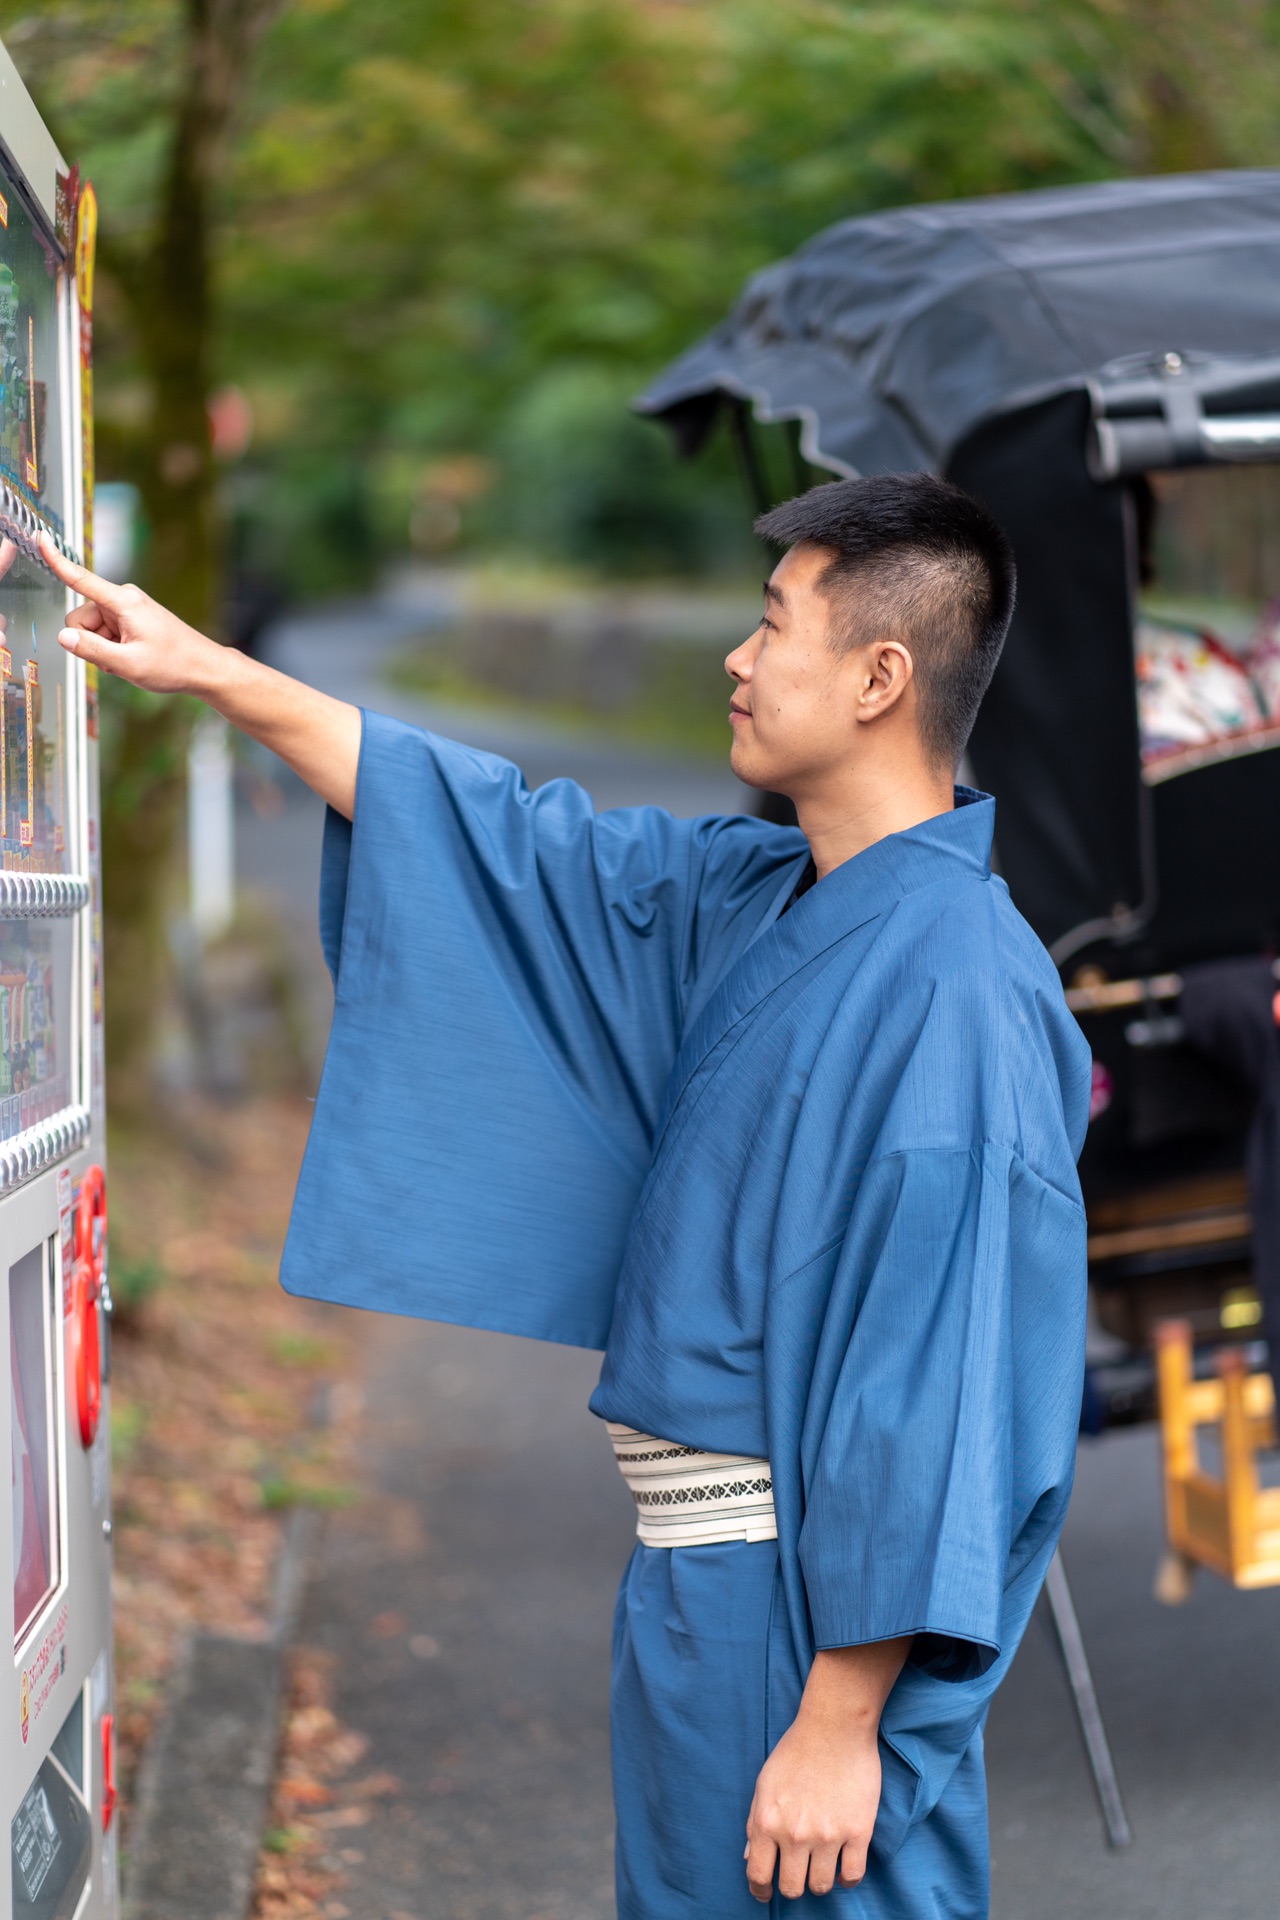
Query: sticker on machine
[[42, 1673], [37, 1841]]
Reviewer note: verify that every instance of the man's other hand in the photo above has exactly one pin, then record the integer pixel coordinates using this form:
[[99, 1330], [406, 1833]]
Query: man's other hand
[[818, 1793]]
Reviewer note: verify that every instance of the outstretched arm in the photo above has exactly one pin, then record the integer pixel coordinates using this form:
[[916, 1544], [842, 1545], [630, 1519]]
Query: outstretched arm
[[123, 631], [818, 1792]]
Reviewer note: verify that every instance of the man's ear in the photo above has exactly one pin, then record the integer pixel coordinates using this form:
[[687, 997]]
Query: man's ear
[[888, 670]]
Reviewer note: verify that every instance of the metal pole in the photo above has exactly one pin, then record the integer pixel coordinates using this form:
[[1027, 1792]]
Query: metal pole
[[1080, 1679], [211, 828], [742, 428]]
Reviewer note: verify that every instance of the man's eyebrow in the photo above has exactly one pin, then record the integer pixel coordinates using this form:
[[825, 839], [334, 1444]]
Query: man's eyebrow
[[775, 594]]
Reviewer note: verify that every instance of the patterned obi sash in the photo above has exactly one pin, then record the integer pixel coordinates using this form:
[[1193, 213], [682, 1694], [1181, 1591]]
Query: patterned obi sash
[[687, 1498]]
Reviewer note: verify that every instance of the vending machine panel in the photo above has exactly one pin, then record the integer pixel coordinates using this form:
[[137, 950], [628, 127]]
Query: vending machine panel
[[35, 705], [56, 1708], [32, 450], [37, 968]]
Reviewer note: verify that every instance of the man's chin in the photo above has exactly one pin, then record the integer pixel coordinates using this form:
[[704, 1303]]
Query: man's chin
[[748, 767]]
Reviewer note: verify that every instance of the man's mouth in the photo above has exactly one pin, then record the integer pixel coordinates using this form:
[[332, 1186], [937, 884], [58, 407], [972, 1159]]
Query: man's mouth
[[743, 713]]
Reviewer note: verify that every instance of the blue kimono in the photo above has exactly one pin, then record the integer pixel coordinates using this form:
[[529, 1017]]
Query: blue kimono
[[806, 1176]]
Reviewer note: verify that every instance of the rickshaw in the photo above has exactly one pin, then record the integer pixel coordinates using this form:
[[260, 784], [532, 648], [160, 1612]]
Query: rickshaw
[[1070, 356]]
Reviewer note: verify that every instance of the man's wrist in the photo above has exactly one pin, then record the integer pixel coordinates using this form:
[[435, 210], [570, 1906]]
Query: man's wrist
[[219, 676], [839, 1709], [848, 1686]]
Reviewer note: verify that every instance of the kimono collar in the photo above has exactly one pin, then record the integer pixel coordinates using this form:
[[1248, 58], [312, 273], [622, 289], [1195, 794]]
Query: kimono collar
[[947, 847], [938, 849]]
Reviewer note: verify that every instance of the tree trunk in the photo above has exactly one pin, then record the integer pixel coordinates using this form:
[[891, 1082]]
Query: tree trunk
[[170, 299]]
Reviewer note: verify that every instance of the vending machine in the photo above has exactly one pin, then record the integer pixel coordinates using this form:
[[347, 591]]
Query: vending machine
[[57, 1760]]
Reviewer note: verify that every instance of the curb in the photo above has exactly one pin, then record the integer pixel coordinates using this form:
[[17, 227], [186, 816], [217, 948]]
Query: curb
[[204, 1791]]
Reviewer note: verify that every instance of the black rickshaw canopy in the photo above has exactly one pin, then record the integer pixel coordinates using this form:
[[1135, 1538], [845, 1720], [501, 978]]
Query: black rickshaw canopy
[[1042, 349]]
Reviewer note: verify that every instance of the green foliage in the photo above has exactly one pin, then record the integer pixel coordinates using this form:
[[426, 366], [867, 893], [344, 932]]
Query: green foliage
[[585, 481], [132, 1284], [491, 223], [301, 1350], [283, 1839], [477, 226], [280, 1490], [128, 1424]]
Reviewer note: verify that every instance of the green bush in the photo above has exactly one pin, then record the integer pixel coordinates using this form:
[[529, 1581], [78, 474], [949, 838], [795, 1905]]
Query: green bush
[[132, 1284], [582, 480]]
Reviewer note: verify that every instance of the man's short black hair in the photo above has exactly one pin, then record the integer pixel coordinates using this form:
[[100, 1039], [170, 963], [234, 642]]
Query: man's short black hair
[[914, 559]]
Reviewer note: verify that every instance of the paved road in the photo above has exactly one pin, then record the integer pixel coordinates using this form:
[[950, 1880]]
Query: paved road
[[497, 1528], [469, 1604], [1191, 1697]]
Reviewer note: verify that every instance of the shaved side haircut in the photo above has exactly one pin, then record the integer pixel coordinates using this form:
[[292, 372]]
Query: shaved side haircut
[[916, 560]]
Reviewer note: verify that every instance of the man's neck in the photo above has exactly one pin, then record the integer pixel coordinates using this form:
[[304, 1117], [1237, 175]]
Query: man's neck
[[840, 823]]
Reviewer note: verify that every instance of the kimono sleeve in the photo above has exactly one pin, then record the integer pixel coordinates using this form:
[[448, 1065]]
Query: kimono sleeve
[[942, 1458], [509, 972]]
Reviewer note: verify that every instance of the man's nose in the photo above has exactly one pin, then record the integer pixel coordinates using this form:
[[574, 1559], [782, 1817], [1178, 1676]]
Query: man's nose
[[738, 663]]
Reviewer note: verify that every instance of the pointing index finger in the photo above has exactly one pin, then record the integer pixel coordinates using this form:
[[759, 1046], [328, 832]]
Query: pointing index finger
[[79, 579]]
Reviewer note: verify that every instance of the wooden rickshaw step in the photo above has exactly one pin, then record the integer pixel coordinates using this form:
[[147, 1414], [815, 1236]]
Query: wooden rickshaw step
[[1228, 1521]]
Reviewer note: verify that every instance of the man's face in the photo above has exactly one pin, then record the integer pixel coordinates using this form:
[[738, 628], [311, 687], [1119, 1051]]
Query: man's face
[[795, 703]]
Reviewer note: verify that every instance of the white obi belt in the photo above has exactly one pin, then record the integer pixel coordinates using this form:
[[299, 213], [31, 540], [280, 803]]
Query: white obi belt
[[687, 1498]]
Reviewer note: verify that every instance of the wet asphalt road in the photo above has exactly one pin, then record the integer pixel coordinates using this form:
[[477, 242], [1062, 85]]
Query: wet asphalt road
[[467, 1602]]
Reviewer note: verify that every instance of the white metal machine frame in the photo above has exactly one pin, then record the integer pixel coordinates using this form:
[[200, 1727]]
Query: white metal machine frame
[[56, 1719]]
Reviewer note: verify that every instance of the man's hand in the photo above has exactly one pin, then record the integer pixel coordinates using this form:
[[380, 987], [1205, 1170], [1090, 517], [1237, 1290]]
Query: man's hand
[[818, 1792], [125, 632]]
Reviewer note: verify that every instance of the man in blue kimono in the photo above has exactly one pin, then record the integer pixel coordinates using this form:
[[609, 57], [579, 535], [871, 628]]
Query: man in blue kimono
[[786, 1122]]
